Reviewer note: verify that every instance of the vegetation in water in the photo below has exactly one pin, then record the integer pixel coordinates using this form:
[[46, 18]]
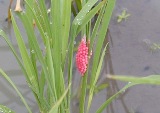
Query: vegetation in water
[[59, 26]]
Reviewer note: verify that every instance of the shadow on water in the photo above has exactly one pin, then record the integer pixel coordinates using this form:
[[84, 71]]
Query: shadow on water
[[108, 69]]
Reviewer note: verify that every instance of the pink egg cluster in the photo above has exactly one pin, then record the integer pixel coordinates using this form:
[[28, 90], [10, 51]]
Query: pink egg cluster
[[82, 56]]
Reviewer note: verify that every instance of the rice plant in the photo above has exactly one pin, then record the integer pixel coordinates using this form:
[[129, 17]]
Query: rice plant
[[59, 25]]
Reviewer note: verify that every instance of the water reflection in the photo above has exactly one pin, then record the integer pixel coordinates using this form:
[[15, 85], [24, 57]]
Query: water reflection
[[113, 86]]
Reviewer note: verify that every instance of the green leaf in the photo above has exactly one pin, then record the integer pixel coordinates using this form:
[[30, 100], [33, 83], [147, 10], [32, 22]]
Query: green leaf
[[89, 16], [37, 51], [78, 4], [25, 58], [66, 16], [54, 109], [83, 93], [4, 109], [97, 54], [101, 36], [14, 86], [91, 92], [42, 8], [33, 13], [97, 25], [51, 69], [152, 79], [34, 43], [2, 33], [101, 87], [79, 18], [107, 102], [56, 19]]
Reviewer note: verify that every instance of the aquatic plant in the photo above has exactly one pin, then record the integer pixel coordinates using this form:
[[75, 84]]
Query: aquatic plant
[[59, 26], [123, 16], [58, 33]]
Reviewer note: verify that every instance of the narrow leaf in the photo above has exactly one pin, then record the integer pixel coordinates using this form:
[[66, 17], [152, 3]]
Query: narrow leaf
[[91, 92], [108, 101], [4, 109], [89, 16], [14, 86], [152, 79], [25, 57], [79, 18], [54, 109]]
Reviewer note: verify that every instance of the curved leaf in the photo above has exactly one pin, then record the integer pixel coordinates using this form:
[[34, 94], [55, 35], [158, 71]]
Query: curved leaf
[[152, 79], [4, 109], [107, 102], [14, 86]]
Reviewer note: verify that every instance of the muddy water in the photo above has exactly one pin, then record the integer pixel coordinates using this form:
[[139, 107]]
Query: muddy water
[[131, 53]]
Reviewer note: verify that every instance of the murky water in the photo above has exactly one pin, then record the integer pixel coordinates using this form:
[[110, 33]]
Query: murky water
[[132, 52]]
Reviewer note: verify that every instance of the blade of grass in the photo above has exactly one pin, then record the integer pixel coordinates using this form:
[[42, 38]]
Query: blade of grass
[[152, 79], [66, 16], [2, 33], [42, 85], [45, 16], [84, 78], [91, 91], [54, 109], [78, 4], [25, 58], [31, 36], [78, 19], [100, 88], [97, 25], [18, 92], [31, 12], [90, 15], [4, 109], [106, 103], [101, 37], [34, 43], [74, 26], [83, 93], [51, 69], [56, 19]]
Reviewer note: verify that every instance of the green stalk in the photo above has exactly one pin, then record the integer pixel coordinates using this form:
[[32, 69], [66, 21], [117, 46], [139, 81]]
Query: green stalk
[[83, 93]]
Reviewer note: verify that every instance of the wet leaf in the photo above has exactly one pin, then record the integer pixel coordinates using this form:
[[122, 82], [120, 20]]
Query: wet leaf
[[4, 109], [16, 89], [54, 109], [101, 87], [91, 92], [152, 79], [25, 57], [108, 101], [90, 15]]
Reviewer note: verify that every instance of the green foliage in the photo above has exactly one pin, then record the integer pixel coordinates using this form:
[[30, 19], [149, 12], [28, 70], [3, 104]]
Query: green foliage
[[107, 102], [152, 79], [18, 92], [58, 32], [123, 16], [4, 109]]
